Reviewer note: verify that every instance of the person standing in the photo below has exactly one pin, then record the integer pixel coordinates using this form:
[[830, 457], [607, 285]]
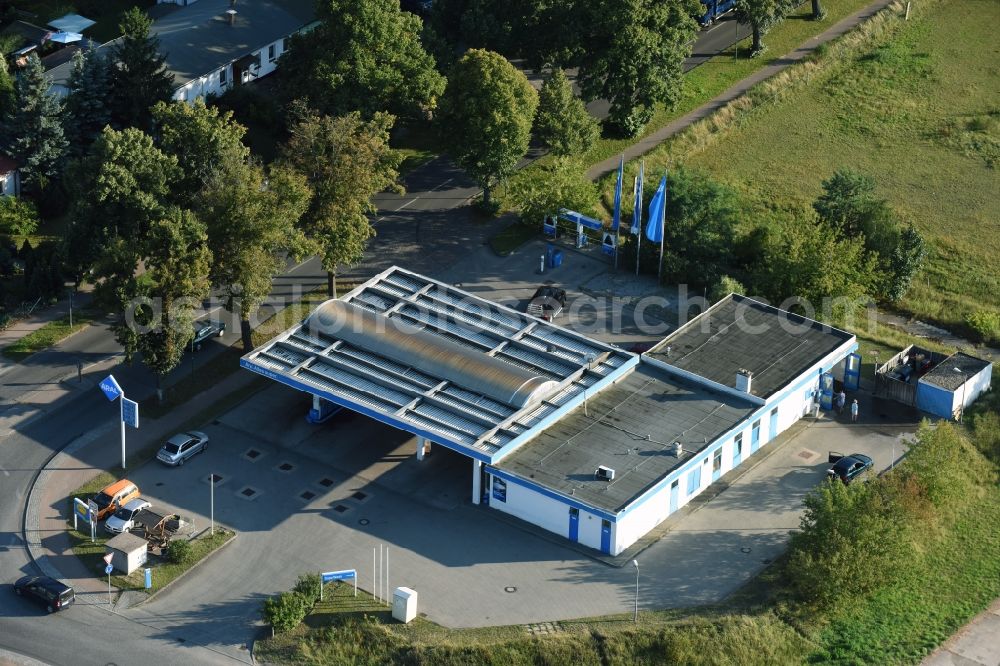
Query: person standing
[[854, 411], [841, 401]]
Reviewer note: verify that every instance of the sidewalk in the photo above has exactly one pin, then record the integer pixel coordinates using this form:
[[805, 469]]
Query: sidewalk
[[47, 510], [975, 644], [651, 141], [22, 327]]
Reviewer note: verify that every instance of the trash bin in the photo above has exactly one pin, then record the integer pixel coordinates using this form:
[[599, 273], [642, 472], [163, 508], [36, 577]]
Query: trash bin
[[557, 259]]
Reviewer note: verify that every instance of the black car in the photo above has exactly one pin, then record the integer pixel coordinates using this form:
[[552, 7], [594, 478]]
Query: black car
[[848, 468], [44, 590], [205, 330], [547, 302]]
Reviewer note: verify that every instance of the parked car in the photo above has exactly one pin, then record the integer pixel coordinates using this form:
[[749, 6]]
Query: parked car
[[848, 468], [182, 446], [204, 330], [46, 591], [114, 496], [547, 302], [123, 518]]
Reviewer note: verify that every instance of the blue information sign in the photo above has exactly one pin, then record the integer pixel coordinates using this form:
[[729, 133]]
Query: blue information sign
[[130, 412], [108, 569], [338, 575], [499, 489], [110, 388]]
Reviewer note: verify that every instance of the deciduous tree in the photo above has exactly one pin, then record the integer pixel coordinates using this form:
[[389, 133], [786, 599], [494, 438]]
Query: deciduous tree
[[633, 56], [176, 262], [201, 138], [561, 184], [346, 161], [252, 219], [18, 217], [563, 122], [762, 15], [364, 56], [6, 90], [139, 76], [33, 133], [486, 116]]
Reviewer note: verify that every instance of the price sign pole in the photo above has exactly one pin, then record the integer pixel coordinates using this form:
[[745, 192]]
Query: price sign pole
[[128, 409]]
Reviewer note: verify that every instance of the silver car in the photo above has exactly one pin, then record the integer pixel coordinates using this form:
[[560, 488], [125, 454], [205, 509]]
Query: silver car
[[123, 518], [182, 446]]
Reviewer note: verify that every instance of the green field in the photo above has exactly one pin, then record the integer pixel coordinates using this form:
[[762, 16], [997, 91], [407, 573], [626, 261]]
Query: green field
[[921, 114]]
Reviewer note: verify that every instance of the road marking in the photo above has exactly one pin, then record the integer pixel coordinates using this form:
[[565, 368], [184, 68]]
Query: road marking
[[407, 204], [433, 189]]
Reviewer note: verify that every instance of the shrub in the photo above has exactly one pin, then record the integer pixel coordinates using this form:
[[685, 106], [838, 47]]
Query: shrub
[[308, 586], [285, 611], [853, 539], [985, 324], [945, 464], [179, 551], [986, 434], [725, 286]]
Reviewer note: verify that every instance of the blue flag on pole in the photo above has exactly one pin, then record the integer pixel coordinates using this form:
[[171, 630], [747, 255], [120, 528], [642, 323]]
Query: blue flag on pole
[[637, 203], [654, 227], [617, 217]]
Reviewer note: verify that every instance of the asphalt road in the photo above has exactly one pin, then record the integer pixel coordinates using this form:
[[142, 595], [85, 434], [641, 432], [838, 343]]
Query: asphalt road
[[427, 229]]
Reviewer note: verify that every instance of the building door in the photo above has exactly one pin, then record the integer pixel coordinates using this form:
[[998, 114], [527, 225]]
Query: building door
[[755, 436], [574, 524], [606, 537], [773, 427], [737, 449], [717, 464], [675, 494]]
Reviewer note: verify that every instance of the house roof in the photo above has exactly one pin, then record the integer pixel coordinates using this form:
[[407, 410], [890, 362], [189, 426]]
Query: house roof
[[955, 370], [29, 31], [741, 333], [631, 427], [71, 23], [198, 39]]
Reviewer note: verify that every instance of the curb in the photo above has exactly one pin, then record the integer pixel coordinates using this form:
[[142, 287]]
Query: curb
[[150, 597]]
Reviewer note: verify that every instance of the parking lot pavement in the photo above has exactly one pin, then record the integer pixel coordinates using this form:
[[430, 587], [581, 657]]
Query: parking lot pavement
[[350, 485], [588, 278]]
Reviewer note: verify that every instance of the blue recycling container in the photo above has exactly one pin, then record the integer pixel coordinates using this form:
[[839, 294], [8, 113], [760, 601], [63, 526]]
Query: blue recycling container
[[557, 259]]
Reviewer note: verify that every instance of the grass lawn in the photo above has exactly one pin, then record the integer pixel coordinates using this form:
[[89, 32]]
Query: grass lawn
[[164, 571], [47, 335], [922, 115]]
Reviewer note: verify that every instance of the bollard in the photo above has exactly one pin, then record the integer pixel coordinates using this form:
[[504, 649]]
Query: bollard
[[541, 264]]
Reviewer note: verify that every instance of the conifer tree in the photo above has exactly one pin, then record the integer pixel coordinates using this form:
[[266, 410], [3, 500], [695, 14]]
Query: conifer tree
[[33, 133], [139, 77], [87, 112]]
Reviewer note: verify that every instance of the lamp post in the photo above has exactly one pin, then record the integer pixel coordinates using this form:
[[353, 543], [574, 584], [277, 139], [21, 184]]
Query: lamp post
[[961, 409], [635, 615]]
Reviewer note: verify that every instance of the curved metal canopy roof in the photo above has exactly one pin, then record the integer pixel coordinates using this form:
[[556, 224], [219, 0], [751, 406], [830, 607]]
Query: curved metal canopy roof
[[430, 359]]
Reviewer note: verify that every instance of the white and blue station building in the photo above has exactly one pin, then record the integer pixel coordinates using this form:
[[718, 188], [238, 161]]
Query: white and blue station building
[[568, 433]]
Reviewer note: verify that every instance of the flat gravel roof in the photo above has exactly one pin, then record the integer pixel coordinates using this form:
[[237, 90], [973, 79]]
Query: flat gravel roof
[[954, 371], [631, 427], [739, 332]]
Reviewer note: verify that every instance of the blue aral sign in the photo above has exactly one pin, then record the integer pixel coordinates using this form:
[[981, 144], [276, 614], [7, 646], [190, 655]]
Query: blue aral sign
[[110, 388], [345, 574], [130, 412], [499, 489], [108, 569]]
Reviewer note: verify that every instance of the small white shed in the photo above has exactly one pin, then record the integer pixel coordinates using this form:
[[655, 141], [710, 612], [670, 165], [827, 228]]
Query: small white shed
[[128, 552]]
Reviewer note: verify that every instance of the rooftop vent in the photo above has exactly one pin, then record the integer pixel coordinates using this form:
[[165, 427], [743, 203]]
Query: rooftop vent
[[744, 379], [231, 16], [678, 449], [604, 473]]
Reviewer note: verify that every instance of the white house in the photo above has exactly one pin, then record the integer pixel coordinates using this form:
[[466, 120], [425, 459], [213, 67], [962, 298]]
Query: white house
[[212, 45]]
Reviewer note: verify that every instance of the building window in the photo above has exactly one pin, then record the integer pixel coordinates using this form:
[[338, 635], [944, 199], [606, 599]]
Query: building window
[[694, 480], [717, 460], [270, 53], [222, 76], [738, 445]]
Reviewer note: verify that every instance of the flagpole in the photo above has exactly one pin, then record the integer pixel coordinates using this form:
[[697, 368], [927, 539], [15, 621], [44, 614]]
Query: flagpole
[[663, 232], [638, 203], [618, 204]]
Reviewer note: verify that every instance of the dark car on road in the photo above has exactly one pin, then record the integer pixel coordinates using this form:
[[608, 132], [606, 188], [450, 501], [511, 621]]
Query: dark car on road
[[46, 591], [547, 302], [204, 330], [848, 468]]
